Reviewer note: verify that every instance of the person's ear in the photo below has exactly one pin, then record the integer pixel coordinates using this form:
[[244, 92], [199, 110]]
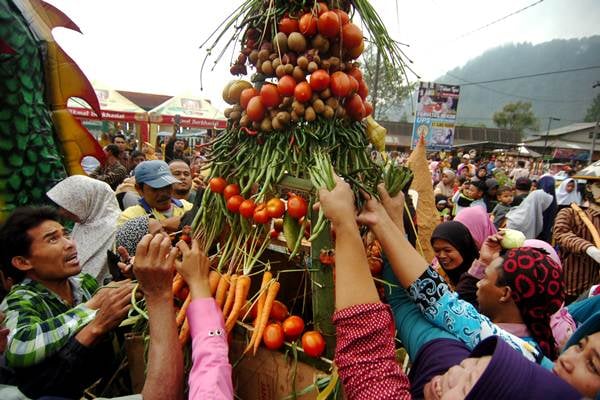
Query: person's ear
[[21, 263], [506, 294]]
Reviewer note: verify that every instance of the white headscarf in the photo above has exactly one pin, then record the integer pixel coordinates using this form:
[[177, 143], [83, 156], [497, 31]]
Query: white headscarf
[[528, 216], [564, 198], [95, 204]]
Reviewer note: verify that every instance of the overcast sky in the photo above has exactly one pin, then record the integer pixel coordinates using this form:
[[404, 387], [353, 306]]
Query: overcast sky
[[153, 46]]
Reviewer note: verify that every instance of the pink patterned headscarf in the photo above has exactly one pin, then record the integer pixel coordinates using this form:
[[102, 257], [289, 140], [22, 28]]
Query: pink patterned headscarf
[[478, 223]]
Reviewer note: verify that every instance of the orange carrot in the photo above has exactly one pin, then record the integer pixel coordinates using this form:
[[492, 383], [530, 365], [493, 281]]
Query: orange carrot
[[213, 281], [265, 312], [241, 292], [230, 295], [178, 284], [267, 276], [181, 314], [184, 333], [222, 290]]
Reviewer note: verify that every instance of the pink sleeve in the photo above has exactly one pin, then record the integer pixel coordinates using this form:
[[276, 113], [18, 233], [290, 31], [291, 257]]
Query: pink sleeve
[[365, 354], [210, 377]]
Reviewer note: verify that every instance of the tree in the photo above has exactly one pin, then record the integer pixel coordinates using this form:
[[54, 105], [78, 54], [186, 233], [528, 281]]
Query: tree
[[516, 116], [391, 89], [593, 113]]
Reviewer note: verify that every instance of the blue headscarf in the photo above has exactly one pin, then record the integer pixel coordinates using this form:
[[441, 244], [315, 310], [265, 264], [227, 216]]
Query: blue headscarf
[[548, 185]]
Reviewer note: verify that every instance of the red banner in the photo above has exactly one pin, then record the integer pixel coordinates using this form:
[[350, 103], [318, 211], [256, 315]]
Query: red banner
[[189, 122], [84, 113]]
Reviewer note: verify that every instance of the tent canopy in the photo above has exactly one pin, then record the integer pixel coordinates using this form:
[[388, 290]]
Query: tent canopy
[[114, 106], [193, 112]]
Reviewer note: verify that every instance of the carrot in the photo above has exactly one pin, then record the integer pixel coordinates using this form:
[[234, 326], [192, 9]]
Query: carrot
[[213, 281], [267, 276], [178, 283], [241, 292], [184, 333], [222, 290], [230, 295], [181, 314], [265, 312]]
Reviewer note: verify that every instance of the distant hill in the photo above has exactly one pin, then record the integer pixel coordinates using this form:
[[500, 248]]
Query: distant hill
[[566, 96]]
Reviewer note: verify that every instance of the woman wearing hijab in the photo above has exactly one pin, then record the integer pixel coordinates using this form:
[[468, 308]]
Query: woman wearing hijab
[[454, 248], [446, 185], [528, 217], [92, 205], [567, 193], [478, 223], [548, 185]]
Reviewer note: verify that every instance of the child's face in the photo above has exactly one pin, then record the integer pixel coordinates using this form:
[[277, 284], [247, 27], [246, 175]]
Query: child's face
[[505, 197], [440, 206], [475, 193]]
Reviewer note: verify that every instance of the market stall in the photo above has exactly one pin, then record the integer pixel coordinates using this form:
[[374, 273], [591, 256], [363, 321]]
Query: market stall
[[116, 108]]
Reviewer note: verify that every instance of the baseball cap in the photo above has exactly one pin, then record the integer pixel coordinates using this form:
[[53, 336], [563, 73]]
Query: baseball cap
[[154, 173]]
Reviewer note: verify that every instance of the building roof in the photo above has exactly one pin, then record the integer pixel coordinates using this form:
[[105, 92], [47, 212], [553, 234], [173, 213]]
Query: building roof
[[147, 101], [556, 143], [563, 130]]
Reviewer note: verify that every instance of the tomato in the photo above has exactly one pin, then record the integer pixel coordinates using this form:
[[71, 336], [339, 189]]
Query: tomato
[[303, 92], [319, 80], [355, 52], [231, 190], [273, 336], [329, 24], [355, 107], [363, 89], [353, 84], [351, 35], [288, 25], [321, 8], [375, 265], [217, 185], [313, 343], [275, 207], [234, 202], [293, 327], [356, 73], [274, 234], [247, 208], [246, 95], [279, 312], [255, 109], [308, 24], [286, 86], [296, 207], [344, 18], [261, 216], [340, 84], [368, 109], [269, 95]]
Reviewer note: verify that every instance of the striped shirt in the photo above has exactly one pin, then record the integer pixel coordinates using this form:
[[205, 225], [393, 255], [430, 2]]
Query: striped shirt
[[573, 239], [40, 322]]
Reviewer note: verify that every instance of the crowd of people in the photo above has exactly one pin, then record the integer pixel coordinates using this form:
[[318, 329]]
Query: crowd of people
[[482, 320]]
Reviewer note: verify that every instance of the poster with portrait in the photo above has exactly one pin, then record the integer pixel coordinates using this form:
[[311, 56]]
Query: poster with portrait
[[437, 104]]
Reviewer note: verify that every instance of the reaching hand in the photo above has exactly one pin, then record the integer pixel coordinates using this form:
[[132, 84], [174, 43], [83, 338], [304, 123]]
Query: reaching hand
[[394, 206], [490, 249], [194, 268], [171, 224], [126, 263], [338, 204], [103, 293], [115, 301], [153, 265]]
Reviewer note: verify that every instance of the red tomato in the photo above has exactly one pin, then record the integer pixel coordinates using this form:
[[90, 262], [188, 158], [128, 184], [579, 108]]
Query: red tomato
[[355, 52], [288, 25], [293, 327], [355, 107], [279, 311], [274, 234], [321, 8], [319, 80], [351, 36], [313, 343], [261, 216], [286, 86], [340, 84], [303, 92], [246, 95], [231, 190], [296, 207], [273, 336], [217, 185], [344, 18], [308, 24], [368, 108], [363, 89], [353, 84], [234, 202], [329, 24], [275, 207], [255, 109], [269, 95], [247, 208], [356, 73]]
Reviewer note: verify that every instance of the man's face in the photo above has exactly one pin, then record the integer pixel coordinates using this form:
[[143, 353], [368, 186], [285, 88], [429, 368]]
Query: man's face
[[595, 188], [179, 145], [183, 173], [159, 199], [136, 160], [119, 141], [52, 254]]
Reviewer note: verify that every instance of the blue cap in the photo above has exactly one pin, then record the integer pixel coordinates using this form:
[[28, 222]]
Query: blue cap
[[154, 173]]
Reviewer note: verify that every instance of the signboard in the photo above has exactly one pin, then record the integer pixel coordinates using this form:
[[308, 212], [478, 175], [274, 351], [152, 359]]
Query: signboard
[[436, 115]]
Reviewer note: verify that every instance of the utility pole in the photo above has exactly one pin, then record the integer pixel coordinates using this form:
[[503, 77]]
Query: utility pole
[[591, 157], [550, 119]]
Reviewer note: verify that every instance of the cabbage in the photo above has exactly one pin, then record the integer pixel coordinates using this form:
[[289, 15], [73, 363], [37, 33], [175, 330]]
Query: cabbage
[[512, 239]]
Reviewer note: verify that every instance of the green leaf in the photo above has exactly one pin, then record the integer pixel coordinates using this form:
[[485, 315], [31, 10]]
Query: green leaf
[[11, 85], [21, 125], [44, 167], [6, 144], [37, 193], [15, 160], [14, 182], [32, 156], [291, 230], [28, 170], [5, 114]]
